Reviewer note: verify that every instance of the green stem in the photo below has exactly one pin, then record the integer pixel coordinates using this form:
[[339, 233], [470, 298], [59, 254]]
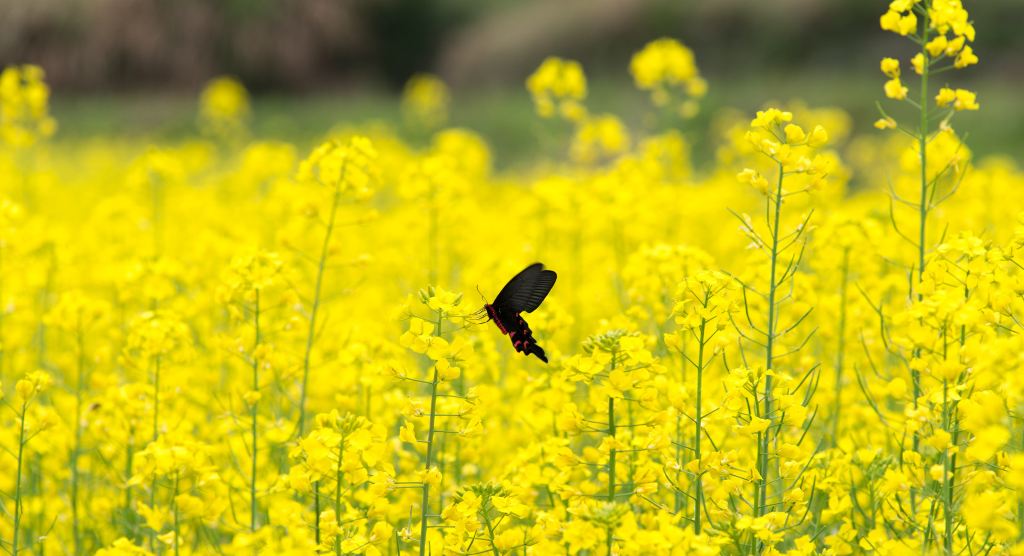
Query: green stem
[[156, 398], [698, 419], [424, 506], [129, 449], [316, 511], [952, 424], [177, 522], [678, 505], [947, 487], [922, 222], [1020, 500], [611, 462], [923, 146], [337, 494], [311, 334], [490, 530], [156, 430], [76, 450], [841, 348], [762, 499], [430, 447], [254, 412], [611, 433], [17, 480], [611, 453]]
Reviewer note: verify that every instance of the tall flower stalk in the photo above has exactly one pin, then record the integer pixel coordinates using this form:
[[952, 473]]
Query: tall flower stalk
[[428, 338], [941, 29], [617, 371], [26, 390], [77, 314], [703, 311], [154, 340], [252, 278], [792, 154], [254, 410], [346, 171]]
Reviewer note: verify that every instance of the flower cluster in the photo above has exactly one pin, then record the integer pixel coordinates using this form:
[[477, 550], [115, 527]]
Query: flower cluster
[[426, 101], [559, 87], [224, 107], [667, 68], [24, 106], [347, 168]]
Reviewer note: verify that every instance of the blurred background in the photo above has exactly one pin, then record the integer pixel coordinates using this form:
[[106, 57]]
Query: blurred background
[[136, 66]]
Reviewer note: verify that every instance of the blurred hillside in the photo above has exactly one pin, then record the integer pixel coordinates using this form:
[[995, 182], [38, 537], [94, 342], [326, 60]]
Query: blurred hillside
[[297, 45], [134, 67]]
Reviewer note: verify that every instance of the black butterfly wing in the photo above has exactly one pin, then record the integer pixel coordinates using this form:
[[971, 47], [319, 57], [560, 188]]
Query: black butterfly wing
[[526, 290]]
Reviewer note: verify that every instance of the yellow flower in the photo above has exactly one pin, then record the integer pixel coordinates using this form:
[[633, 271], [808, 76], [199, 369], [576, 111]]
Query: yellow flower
[[771, 117], [432, 476], [885, 123], [445, 371], [897, 387], [965, 58], [939, 440], [794, 134], [24, 106], [895, 90], [354, 544], [665, 65], [902, 24], [987, 442], [510, 505], [437, 348], [349, 168], [25, 390], [918, 62], [753, 178], [33, 383], [190, 506], [954, 46], [599, 137], [945, 97], [444, 301], [818, 138], [965, 100], [77, 312], [990, 511], [580, 535], [558, 86], [756, 425], [619, 382], [224, 105], [891, 67], [902, 5], [252, 397], [425, 100], [937, 46], [123, 547]]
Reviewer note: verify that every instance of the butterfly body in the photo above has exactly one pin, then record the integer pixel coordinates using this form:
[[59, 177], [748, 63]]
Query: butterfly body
[[523, 293], [515, 327]]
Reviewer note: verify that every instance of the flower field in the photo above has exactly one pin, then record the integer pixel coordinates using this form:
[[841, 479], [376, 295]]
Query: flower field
[[812, 344]]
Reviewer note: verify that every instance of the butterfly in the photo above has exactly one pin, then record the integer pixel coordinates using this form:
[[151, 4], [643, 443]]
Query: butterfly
[[523, 293]]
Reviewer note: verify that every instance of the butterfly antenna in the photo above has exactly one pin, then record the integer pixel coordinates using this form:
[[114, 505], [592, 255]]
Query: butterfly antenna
[[482, 296]]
